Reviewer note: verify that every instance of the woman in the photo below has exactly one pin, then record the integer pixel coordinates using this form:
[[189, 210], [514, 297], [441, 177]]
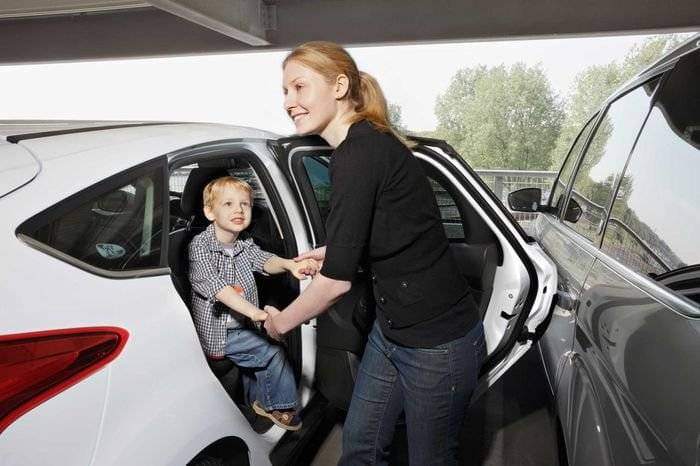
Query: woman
[[426, 346]]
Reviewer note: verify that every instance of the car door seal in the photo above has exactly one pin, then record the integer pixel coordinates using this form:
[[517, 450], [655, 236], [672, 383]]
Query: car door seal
[[539, 331]]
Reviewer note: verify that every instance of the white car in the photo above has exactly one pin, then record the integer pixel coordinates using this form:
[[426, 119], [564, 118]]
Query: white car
[[99, 359]]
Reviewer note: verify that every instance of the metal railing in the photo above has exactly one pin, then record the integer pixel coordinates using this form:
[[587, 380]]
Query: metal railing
[[503, 182]]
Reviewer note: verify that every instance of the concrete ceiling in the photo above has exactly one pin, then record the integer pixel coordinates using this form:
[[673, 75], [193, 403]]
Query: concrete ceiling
[[59, 30]]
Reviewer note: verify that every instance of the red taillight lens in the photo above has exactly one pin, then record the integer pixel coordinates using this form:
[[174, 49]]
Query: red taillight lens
[[36, 366]]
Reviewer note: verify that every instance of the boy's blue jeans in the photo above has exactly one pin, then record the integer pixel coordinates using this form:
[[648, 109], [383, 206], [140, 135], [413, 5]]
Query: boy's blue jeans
[[432, 386], [272, 383]]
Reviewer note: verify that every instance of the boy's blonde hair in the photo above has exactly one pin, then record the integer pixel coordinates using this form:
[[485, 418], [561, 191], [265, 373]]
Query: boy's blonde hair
[[214, 188]]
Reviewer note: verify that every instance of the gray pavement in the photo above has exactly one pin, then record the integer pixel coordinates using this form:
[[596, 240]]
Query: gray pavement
[[510, 425]]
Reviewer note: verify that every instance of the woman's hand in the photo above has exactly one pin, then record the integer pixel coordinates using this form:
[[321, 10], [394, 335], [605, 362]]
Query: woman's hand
[[270, 325], [317, 254], [304, 268]]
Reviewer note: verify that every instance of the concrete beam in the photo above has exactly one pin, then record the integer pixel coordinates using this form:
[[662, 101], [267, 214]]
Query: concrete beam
[[149, 31], [238, 19], [29, 8], [361, 22], [127, 34]]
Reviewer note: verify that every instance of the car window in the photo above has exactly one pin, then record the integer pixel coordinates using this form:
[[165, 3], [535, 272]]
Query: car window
[[178, 179], [556, 198], [655, 220], [247, 174], [449, 213], [113, 229], [316, 168], [604, 160]]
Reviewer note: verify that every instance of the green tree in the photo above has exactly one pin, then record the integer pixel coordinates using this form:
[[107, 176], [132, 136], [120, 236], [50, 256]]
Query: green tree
[[594, 84], [500, 117], [395, 119]]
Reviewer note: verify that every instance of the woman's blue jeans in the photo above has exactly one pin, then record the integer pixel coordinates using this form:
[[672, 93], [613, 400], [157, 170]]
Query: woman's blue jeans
[[432, 386], [272, 380]]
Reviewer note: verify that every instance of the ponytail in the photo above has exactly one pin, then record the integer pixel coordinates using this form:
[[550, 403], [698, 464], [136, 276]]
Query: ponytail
[[372, 106], [330, 60]]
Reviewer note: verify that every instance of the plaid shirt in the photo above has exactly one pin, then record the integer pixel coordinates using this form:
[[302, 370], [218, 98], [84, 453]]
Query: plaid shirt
[[212, 268]]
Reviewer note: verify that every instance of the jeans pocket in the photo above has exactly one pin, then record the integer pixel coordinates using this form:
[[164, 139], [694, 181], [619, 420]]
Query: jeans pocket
[[441, 349]]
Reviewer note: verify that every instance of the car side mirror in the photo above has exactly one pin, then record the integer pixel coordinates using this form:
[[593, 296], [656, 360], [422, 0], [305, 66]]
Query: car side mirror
[[526, 200], [573, 211]]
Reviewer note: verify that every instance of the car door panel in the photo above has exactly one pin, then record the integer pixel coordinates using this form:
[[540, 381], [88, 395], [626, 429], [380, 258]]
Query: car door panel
[[341, 334], [573, 264], [585, 431], [642, 353], [522, 295], [478, 262]]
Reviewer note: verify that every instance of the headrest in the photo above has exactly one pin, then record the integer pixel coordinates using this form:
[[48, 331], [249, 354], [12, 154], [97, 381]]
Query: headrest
[[192, 202]]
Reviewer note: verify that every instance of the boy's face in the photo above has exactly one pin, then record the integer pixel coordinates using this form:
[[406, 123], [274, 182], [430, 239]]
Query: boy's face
[[230, 210]]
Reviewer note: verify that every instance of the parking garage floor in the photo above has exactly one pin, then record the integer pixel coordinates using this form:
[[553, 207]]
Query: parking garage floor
[[510, 425]]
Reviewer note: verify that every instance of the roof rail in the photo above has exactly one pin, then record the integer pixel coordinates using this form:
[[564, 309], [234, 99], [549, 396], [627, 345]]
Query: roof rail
[[14, 139]]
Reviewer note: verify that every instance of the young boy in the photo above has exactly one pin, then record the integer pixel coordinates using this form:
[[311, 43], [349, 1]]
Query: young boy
[[224, 294]]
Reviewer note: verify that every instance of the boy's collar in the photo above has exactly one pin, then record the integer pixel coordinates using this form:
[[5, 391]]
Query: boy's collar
[[215, 245], [212, 242]]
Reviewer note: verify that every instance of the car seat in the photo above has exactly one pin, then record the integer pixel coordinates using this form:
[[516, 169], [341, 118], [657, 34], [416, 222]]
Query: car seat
[[191, 208]]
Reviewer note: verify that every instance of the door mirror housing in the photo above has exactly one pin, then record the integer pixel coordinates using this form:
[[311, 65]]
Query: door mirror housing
[[573, 211], [526, 200]]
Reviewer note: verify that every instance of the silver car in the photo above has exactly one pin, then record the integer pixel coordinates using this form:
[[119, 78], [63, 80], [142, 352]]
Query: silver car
[[621, 223]]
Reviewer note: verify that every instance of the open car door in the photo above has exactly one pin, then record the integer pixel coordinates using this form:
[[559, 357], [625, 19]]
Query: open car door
[[515, 287], [512, 279]]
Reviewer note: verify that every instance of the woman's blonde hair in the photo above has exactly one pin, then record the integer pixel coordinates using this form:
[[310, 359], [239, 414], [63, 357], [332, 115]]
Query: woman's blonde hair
[[330, 60], [215, 187]]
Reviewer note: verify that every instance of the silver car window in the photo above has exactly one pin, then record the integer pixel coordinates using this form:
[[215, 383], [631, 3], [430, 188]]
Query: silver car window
[[601, 166], [655, 219]]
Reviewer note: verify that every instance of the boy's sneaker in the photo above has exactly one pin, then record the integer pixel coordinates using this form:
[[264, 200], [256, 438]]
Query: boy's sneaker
[[287, 420]]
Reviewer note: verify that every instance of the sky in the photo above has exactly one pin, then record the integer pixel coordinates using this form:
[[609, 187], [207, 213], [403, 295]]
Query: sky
[[245, 89]]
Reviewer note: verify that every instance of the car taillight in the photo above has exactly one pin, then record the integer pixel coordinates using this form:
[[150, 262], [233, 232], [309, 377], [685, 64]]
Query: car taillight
[[37, 366]]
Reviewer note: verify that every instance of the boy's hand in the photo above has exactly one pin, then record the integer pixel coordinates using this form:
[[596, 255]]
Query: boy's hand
[[304, 269], [259, 316]]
